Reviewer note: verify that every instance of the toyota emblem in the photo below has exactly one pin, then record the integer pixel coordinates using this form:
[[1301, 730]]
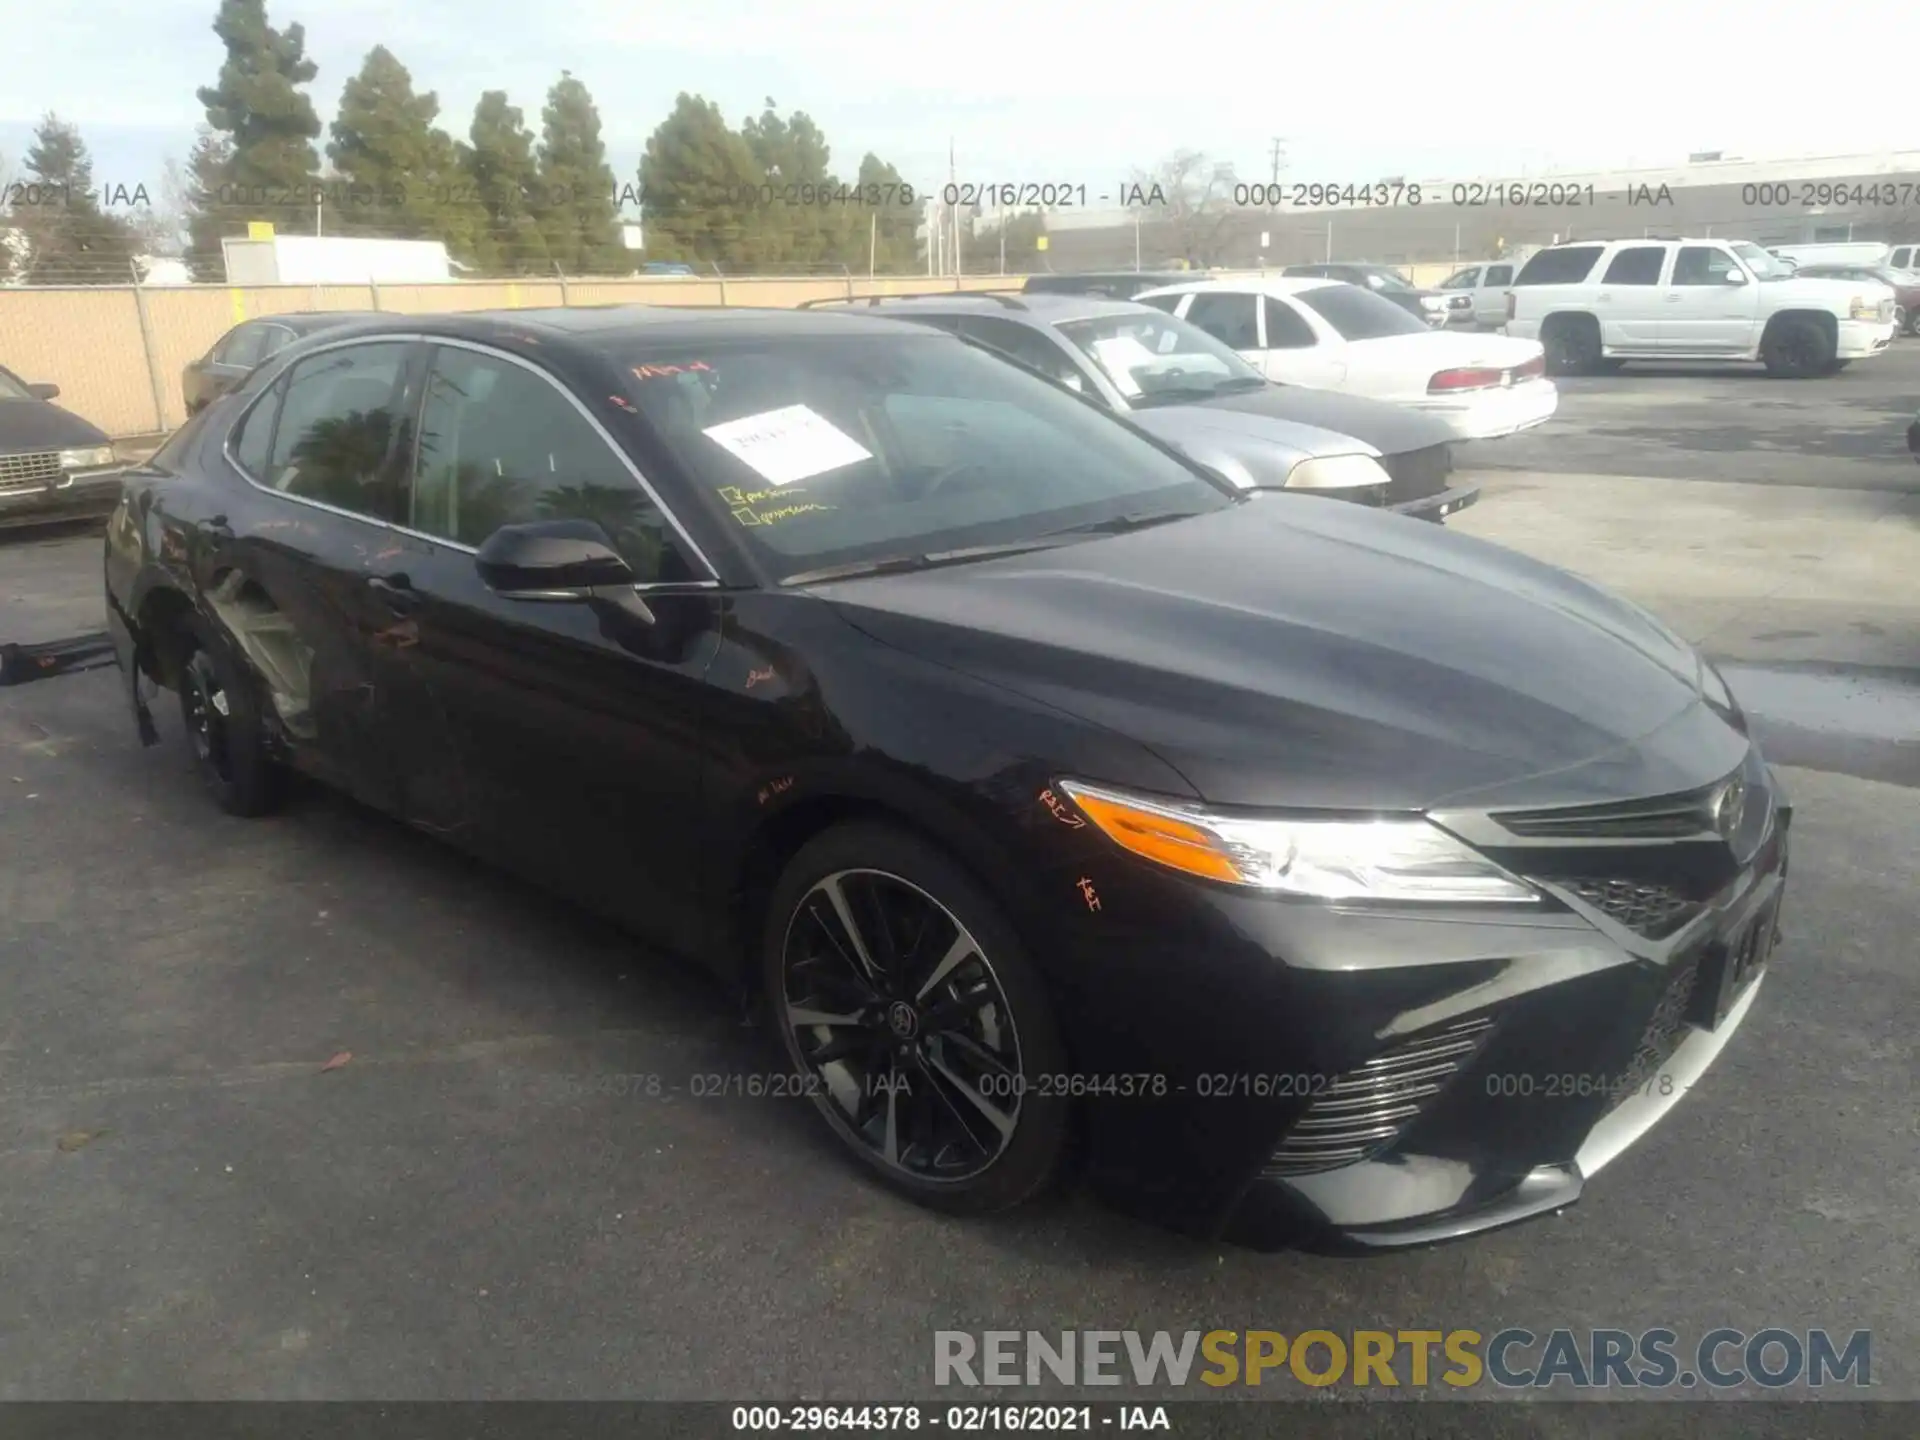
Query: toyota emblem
[[1730, 808]]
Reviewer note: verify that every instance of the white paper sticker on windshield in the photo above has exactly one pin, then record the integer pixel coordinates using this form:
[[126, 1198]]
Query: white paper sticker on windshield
[[1119, 356], [789, 444]]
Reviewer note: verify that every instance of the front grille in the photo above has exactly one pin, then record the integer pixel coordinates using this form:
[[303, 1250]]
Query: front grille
[[1664, 1030], [1417, 474], [1363, 1111], [33, 471], [1645, 907], [1663, 817]]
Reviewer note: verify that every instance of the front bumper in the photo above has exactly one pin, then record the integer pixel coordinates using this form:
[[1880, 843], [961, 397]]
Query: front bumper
[[1480, 1068], [1439, 507], [1491, 413], [1860, 338], [76, 495]]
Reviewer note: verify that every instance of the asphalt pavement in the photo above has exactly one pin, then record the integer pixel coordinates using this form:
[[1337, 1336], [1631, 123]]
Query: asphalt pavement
[[312, 1107]]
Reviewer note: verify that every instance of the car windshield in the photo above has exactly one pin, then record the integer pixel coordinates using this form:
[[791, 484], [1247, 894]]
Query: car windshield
[[1357, 314], [11, 387], [828, 451], [1763, 265], [1155, 359]]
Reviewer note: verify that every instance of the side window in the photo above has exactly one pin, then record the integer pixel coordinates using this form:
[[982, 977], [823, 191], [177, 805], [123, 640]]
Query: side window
[[1231, 319], [250, 440], [1026, 346], [1286, 330], [278, 338], [1703, 265], [334, 440], [502, 445], [1636, 265], [1498, 275], [1564, 265], [1465, 280], [1165, 303], [244, 347]]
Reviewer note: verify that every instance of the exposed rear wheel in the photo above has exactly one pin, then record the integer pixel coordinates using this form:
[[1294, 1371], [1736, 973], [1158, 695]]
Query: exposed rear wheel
[[1572, 343], [1796, 347], [916, 1023], [223, 726]]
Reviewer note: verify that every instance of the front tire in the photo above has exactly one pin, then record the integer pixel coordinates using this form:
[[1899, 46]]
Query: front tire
[[223, 726], [1796, 349], [913, 1018]]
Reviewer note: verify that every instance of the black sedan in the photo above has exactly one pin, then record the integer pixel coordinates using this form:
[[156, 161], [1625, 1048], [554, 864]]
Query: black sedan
[[53, 465], [232, 357], [1320, 871]]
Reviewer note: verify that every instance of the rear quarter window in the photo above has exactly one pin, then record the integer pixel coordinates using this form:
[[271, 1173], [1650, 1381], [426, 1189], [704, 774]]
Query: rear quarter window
[[1567, 265]]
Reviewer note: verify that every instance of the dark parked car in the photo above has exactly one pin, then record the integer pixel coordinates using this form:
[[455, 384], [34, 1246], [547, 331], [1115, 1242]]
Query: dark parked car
[[1436, 307], [1196, 407], [1319, 870], [53, 464], [1114, 284], [1905, 285], [235, 353]]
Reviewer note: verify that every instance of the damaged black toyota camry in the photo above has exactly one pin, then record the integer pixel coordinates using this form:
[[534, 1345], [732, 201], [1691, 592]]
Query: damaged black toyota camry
[[1297, 870]]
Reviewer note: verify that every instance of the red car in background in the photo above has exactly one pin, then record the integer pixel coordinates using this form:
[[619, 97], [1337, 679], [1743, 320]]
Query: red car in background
[[1904, 283]]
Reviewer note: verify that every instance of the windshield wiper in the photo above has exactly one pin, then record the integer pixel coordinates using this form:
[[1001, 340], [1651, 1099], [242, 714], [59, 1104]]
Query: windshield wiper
[[901, 564], [1132, 520], [1241, 383]]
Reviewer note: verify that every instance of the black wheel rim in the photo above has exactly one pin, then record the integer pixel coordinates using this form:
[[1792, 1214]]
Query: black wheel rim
[[1802, 349], [207, 715], [894, 1010]]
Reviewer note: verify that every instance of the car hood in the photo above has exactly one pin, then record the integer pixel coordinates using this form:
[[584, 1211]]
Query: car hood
[[1302, 651], [27, 425], [1826, 292], [1389, 429], [1254, 451]]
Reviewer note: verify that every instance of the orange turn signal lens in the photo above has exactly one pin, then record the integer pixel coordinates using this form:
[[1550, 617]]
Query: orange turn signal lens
[[1160, 838]]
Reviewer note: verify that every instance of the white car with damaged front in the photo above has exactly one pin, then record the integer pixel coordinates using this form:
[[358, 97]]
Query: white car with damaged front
[[1334, 336]]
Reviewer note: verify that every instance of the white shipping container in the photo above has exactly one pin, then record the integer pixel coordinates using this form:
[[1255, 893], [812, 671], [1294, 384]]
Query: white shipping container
[[334, 260]]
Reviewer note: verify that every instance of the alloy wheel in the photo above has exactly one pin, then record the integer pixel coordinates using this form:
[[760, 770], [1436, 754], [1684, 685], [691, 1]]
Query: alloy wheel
[[895, 1013], [207, 713]]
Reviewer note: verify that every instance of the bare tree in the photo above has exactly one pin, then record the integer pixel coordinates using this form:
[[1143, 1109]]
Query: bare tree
[[1191, 196], [161, 225]]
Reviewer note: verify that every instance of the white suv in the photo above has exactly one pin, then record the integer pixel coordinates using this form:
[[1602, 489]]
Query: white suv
[[1595, 304]]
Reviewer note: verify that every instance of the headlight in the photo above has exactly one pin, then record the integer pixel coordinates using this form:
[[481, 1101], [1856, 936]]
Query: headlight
[[1432, 302], [1337, 472], [1391, 860], [90, 458], [1864, 308]]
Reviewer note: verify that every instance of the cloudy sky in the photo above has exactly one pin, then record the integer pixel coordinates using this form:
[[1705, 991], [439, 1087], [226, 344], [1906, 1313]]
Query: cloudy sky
[[1039, 90]]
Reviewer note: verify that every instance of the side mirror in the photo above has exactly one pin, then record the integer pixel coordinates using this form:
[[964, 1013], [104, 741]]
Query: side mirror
[[557, 560], [1738, 277], [43, 392]]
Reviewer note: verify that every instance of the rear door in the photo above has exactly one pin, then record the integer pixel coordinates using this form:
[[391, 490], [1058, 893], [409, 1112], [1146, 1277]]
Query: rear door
[[229, 362], [1629, 301], [1490, 294], [1292, 351], [560, 738], [287, 572]]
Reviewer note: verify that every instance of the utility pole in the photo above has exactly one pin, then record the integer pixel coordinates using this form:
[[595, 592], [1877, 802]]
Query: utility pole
[[1279, 156]]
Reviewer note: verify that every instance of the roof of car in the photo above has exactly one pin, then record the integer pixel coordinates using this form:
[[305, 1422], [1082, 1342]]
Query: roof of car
[[301, 321], [598, 325], [1252, 285]]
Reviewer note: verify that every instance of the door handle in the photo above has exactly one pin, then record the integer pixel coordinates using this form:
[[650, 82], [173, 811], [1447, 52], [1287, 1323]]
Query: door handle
[[217, 527], [396, 592], [1673, 299]]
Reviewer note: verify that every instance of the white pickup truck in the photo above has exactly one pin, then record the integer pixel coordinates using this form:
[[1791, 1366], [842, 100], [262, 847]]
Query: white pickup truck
[[1593, 305]]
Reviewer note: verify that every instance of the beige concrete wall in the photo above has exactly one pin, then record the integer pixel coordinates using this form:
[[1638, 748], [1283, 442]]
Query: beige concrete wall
[[116, 352]]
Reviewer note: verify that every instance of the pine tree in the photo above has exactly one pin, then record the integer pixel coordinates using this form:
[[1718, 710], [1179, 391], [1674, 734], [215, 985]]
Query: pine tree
[[208, 165], [71, 240], [505, 178], [269, 124], [794, 161], [701, 183], [576, 210], [899, 210], [399, 175]]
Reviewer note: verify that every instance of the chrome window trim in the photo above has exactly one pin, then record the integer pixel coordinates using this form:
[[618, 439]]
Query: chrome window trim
[[461, 343]]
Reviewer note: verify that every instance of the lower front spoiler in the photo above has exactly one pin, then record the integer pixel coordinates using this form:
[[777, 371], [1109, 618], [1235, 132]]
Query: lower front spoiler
[[1438, 507], [1267, 1215]]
